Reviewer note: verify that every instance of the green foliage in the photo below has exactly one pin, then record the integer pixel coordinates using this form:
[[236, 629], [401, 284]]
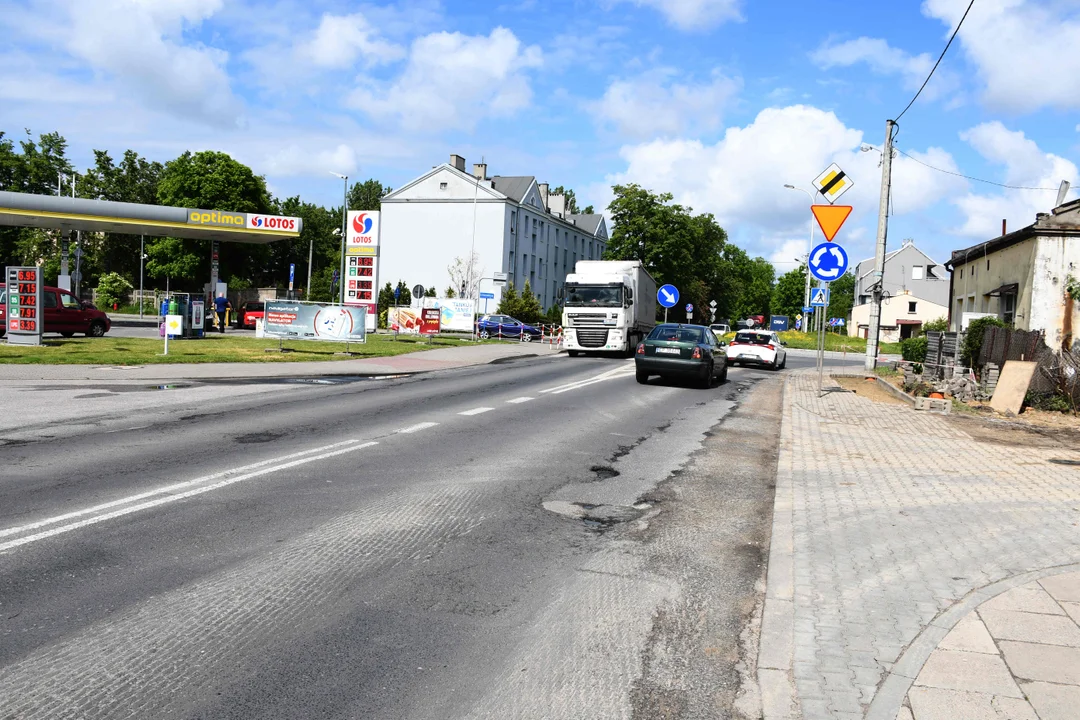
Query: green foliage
[[842, 297], [789, 293], [914, 349], [1072, 287], [973, 341], [112, 289], [553, 315], [918, 388], [367, 195], [509, 304], [431, 292], [1050, 402], [571, 201], [450, 292], [939, 325], [529, 310]]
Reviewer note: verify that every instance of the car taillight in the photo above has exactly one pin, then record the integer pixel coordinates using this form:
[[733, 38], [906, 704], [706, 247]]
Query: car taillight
[[732, 343], [641, 349], [697, 354], [770, 346]]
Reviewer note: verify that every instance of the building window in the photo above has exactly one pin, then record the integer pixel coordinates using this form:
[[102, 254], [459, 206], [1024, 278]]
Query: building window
[[863, 299], [534, 242], [442, 186], [911, 307], [961, 273], [513, 220], [987, 263], [1008, 308], [917, 272]]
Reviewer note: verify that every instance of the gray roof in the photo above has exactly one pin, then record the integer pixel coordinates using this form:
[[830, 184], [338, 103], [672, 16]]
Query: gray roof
[[588, 223], [514, 187]]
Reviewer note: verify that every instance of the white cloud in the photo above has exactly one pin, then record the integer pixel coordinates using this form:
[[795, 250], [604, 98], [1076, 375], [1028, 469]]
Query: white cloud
[[695, 14], [142, 46], [341, 40], [741, 178], [297, 160], [651, 104], [1025, 50], [876, 53], [453, 81], [1026, 165]]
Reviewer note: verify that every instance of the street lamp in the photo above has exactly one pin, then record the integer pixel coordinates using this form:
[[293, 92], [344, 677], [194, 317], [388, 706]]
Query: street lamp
[[806, 292], [344, 231]]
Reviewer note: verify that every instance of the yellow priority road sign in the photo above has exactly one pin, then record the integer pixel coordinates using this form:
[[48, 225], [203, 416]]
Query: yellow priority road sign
[[833, 183]]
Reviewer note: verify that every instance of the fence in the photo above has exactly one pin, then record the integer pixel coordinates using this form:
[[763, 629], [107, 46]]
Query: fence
[[943, 354], [1001, 344]]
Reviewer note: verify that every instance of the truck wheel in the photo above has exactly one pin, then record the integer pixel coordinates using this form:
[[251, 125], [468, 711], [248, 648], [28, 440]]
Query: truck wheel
[[97, 329], [572, 353], [642, 377]]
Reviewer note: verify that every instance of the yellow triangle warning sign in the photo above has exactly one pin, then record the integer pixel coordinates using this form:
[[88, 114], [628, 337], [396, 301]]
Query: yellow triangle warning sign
[[830, 218]]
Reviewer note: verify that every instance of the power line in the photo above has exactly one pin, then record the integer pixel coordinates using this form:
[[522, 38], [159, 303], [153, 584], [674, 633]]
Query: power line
[[968, 177], [940, 58]]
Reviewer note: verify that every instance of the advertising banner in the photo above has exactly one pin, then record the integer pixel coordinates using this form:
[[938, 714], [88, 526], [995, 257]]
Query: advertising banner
[[403, 320], [363, 228], [289, 320], [457, 314], [430, 321]]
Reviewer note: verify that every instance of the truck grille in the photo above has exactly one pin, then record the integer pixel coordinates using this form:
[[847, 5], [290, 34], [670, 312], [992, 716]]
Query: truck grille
[[586, 319], [592, 338]]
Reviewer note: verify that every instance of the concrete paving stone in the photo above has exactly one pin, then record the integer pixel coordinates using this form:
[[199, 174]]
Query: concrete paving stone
[[1032, 599], [1031, 627], [941, 704], [976, 672], [1065, 588], [1046, 663], [905, 714], [1053, 702], [970, 635], [1073, 609]]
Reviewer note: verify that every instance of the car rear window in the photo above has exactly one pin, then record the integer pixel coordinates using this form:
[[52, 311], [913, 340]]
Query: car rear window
[[753, 338], [674, 333], [255, 306]]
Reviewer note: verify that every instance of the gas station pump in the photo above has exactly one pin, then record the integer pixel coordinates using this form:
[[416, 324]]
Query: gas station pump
[[191, 311]]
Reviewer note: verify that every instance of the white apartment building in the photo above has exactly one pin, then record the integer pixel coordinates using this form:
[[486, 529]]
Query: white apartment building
[[520, 229]]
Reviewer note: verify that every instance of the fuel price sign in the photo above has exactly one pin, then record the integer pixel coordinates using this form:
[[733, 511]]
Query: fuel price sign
[[24, 313]]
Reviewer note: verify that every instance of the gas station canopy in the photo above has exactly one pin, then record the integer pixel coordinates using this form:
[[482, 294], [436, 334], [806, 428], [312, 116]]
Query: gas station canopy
[[65, 213]]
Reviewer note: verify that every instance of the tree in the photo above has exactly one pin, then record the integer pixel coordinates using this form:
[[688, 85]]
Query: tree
[[789, 293], [317, 235], [842, 296], [462, 275], [404, 294], [33, 168], [431, 292], [510, 304], [450, 292], [528, 306], [367, 195], [112, 290]]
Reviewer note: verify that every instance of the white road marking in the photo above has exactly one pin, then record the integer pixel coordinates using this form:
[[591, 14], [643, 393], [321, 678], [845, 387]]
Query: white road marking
[[476, 411], [417, 428], [624, 370], [518, 401], [264, 468]]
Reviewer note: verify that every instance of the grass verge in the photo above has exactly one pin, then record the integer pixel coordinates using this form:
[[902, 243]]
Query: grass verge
[[212, 349], [833, 342]]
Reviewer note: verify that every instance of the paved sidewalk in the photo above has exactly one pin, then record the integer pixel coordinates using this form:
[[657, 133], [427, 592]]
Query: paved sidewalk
[[916, 571], [422, 361]]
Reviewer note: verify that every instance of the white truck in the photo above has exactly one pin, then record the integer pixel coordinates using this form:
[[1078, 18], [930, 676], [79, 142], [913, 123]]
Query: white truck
[[608, 306]]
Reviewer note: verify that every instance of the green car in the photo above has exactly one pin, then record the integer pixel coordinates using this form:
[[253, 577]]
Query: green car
[[683, 351]]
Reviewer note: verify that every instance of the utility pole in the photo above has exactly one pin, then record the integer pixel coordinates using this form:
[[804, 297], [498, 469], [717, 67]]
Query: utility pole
[[879, 256]]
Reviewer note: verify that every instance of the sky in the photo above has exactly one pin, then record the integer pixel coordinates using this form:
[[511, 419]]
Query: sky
[[719, 102]]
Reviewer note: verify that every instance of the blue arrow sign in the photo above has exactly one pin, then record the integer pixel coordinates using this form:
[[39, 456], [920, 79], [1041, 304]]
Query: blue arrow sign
[[819, 297], [828, 262], [487, 296], [667, 296], [292, 271]]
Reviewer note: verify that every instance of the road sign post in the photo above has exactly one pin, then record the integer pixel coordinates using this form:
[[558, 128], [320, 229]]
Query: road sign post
[[292, 275]]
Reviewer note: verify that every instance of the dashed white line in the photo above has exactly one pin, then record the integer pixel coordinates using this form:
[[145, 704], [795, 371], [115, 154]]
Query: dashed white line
[[416, 428], [518, 401], [476, 411], [272, 466]]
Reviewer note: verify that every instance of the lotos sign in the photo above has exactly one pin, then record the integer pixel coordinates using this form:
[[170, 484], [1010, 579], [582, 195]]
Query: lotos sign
[[363, 231], [273, 222]]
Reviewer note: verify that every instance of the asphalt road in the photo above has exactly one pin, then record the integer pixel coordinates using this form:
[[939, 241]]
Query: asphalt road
[[489, 542]]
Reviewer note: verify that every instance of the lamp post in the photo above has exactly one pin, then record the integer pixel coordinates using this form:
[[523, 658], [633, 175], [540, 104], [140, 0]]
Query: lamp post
[[806, 292], [344, 228]]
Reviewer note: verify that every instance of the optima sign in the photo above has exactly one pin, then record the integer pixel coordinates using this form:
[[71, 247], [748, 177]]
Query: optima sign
[[216, 218]]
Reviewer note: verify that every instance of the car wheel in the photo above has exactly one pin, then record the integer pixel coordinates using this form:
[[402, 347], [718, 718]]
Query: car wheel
[[68, 334], [526, 337], [723, 375], [775, 365], [642, 377], [784, 364], [707, 381], [572, 353], [484, 335], [97, 329]]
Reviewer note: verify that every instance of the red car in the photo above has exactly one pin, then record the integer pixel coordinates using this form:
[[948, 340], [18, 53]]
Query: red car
[[249, 313], [64, 313]]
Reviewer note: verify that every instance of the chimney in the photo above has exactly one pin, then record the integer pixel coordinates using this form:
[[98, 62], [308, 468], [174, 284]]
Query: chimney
[[479, 171], [557, 204], [457, 162], [1004, 230], [544, 195]]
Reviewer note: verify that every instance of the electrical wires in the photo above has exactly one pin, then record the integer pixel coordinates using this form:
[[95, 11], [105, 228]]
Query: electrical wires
[[968, 177], [940, 58]]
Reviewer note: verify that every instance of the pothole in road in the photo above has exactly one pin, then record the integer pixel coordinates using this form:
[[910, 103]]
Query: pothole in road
[[597, 517], [253, 438], [604, 472]]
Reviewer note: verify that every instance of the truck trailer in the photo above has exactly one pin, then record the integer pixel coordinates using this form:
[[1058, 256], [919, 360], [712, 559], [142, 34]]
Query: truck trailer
[[609, 306]]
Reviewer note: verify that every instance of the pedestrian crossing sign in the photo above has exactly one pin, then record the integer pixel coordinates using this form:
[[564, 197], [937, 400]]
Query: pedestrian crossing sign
[[819, 297]]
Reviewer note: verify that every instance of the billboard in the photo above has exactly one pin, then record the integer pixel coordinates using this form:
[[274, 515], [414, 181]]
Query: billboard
[[430, 321], [403, 320], [779, 323], [458, 314], [290, 320], [360, 286]]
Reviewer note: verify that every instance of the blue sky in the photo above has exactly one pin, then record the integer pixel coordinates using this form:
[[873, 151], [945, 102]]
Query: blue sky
[[720, 102]]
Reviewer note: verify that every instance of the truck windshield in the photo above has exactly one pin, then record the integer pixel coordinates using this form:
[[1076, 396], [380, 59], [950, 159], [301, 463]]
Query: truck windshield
[[584, 296]]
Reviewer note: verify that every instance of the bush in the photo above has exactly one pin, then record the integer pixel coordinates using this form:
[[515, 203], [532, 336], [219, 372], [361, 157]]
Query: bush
[[1053, 402], [973, 341], [112, 290], [918, 388], [939, 325], [914, 349]]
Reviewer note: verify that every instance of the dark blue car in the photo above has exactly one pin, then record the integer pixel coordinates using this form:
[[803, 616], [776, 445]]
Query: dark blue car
[[496, 326]]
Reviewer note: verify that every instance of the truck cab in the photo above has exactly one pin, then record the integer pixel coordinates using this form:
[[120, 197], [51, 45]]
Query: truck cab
[[608, 306]]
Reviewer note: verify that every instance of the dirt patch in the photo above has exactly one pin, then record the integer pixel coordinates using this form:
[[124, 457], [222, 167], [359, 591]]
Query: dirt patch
[[996, 430], [869, 389]]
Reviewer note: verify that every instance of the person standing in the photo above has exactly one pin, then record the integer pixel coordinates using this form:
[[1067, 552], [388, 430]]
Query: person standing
[[221, 306]]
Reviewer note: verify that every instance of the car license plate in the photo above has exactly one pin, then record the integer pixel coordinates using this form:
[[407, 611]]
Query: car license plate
[[668, 351], [752, 357]]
